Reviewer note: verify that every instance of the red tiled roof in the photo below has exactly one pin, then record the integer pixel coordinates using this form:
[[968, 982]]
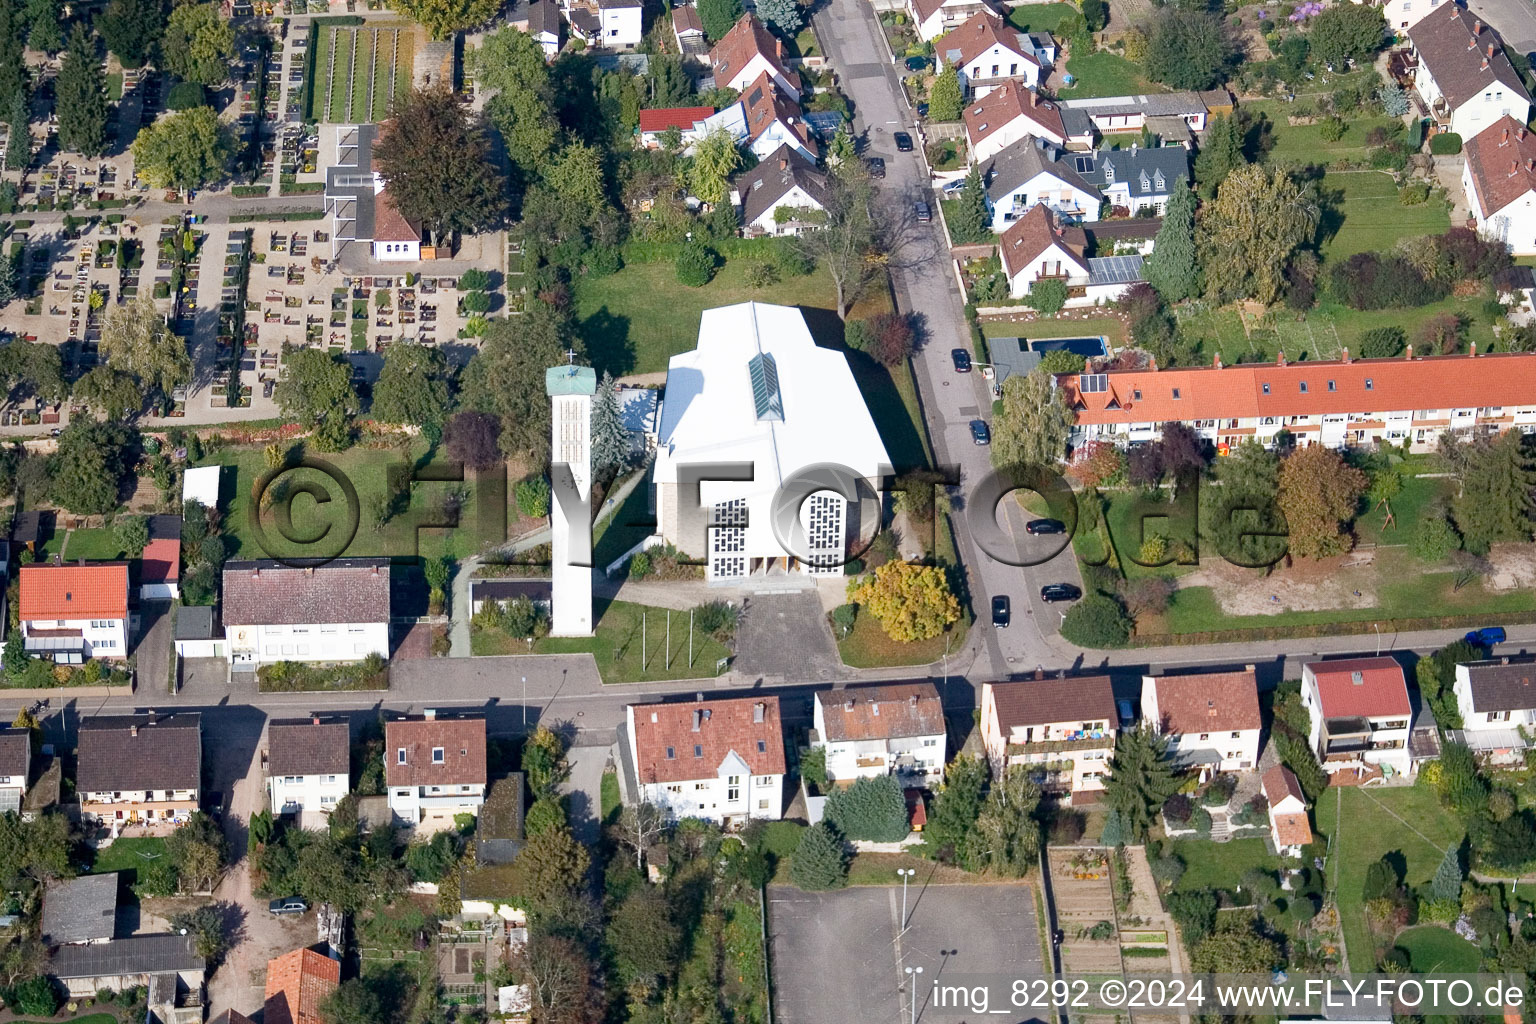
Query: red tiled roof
[[685, 20], [1502, 161], [1213, 702], [673, 117], [161, 561], [896, 710], [297, 983], [1006, 104], [765, 103], [389, 224], [980, 33], [926, 8], [1034, 233], [701, 734], [747, 39], [461, 739], [1279, 783], [1237, 392], [1360, 687], [1292, 829], [93, 591]]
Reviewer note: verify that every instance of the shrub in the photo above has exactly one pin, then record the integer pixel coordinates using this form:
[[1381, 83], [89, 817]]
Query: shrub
[[1445, 144], [1382, 342], [185, 96], [474, 280], [1369, 280], [843, 618], [533, 497], [762, 275], [1096, 621], [1414, 193], [696, 264], [639, 565], [474, 302], [890, 337], [872, 809], [36, 997], [1441, 333], [1331, 129], [1178, 808], [820, 861], [857, 335], [1047, 296]]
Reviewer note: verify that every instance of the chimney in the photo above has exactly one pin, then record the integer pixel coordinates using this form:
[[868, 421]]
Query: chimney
[[315, 720], [758, 710], [133, 730], [912, 700], [1034, 98], [375, 570], [1504, 139], [1472, 43], [1280, 358], [150, 717], [1477, 27], [848, 704], [784, 160], [256, 572], [698, 718], [1472, 350], [1217, 361], [1484, 65], [1490, 51], [1409, 353], [1347, 360], [430, 714]]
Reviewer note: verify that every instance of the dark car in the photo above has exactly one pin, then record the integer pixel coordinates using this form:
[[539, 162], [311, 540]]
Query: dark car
[[916, 63], [903, 142], [1486, 637], [1002, 611], [980, 432], [922, 110], [923, 212], [1127, 712], [1053, 592], [962, 360], [1040, 526], [288, 905], [876, 167]]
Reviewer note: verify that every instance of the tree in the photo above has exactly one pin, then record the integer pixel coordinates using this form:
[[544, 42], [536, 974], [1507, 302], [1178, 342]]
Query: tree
[[1434, 538], [638, 825], [549, 872], [472, 438], [1221, 153], [442, 18], [668, 84], [644, 939], [912, 602], [1141, 777], [198, 851], [114, 394], [89, 464], [18, 153], [1318, 495], [610, 441], [199, 44], [437, 164], [872, 809], [952, 823], [1116, 831], [412, 387], [131, 534], [1382, 342], [29, 367], [1097, 621], [1188, 50], [1095, 15], [946, 102], [1047, 296], [970, 221], [206, 926], [851, 244], [783, 15], [1249, 231], [188, 149], [135, 339], [510, 65], [544, 761], [820, 861], [1493, 502], [506, 377], [81, 97], [1235, 949], [354, 1001], [715, 158], [7, 280], [1173, 268], [561, 974], [718, 16], [1007, 834], [1341, 33], [696, 264], [1446, 885], [131, 30], [45, 26], [1034, 425], [315, 391]]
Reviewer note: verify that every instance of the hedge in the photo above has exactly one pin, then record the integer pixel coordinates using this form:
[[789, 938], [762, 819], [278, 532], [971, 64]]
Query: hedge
[[1445, 144], [1231, 636], [372, 673]]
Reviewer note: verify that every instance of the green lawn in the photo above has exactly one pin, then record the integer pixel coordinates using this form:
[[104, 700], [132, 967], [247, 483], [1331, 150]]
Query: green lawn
[[342, 43], [90, 1018], [625, 527], [115, 86], [1439, 950], [1304, 144], [625, 630], [609, 795], [1106, 74], [1108, 327], [1363, 826], [362, 76], [94, 546], [1209, 865], [1417, 493], [128, 855], [1361, 213], [1039, 17]]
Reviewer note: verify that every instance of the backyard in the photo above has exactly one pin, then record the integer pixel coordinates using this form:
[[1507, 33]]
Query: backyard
[[1304, 144], [1361, 213], [1105, 74], [1039, 17], [1433, 949], [1209, 865]]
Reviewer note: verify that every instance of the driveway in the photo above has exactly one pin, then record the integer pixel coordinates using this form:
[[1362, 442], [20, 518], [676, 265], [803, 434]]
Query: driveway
[[153, 653], [786, 636]]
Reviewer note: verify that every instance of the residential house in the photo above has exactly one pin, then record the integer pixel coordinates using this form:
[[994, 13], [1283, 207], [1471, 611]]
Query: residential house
[[1034, 249], [1138, 179], [1404, 14], [144, 769], [308, 765], [688, 30], [758, 390], [747, 52], [1007, 114], [1337, 402], [869, 731], [275, 612], [297, 984], [1033, 172], [1497, 701], [1211, 721], [721, 760], [1063, 730], [1175, 117], [1498, 176], [71, 613], [503, 592], [546, 24], [933, 18], [198, 632], [620, 24], [15, 767], [434, 767], [773, 120], [1359, 713], [656, 123], [1463, 76], [80, 910], [986, 51], [1288, 827], [160, 563], [785, 181], [156, 962]]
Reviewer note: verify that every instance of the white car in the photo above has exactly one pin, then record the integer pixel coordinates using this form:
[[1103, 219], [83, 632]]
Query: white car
[[953, 188]]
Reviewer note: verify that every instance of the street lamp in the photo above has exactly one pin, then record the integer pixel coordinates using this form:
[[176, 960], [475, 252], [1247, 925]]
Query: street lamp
[[525, 703], [913, 972], [905, 873], [1377, 627]]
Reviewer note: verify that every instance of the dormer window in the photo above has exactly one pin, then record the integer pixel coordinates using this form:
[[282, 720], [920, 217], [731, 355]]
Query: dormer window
[[1136, 394], [671, 753], [1333, 386], [400, 756], [1161, 181], [1176, 394], [1265, 387]]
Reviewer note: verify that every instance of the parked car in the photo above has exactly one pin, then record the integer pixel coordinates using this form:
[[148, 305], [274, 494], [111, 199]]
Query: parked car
[[288, 905], [962, 360], [1127, 712], [876, 167], [1042, 526], [1002, 611], [922, 211], [953, 188], [916, 63], [1053, 592], [922, 110], [1486, 637], [903, 142], [980, 432]]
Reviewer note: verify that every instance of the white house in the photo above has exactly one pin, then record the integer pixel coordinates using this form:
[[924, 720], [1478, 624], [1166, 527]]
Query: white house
[[773, 120], [1063, 730], [690, 122], [1360, 714], [70, 613], [1404, 14], [1288, 826], [15, 767], [546, 24], [1211, 721], [360, 206], [1138, 178], [1034, 249], [1497, 698], [1033, 172], [721, 760], [933, 18], [1463, 76], [1498, 176], [747, 52], [1007, 114], [986, 51], [867, 731], [434, 767], [620, 23], [308, 764], [274, 612], [759, 391], [143, 769], [786, 181]]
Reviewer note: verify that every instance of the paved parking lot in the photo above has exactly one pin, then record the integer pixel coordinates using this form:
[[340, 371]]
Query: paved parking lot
[[786, 636], [839, 957]]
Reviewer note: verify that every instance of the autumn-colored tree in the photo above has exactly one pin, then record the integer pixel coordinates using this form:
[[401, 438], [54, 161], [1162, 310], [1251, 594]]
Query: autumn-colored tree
[[1249, 231], [1319, 492], [911, 601]]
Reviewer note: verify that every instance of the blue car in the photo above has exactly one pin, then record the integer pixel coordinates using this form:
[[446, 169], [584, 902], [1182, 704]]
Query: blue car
[[1485, 637]]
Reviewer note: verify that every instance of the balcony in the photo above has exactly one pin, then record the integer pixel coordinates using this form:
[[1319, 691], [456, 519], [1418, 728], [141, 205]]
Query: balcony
[[1104, 742]]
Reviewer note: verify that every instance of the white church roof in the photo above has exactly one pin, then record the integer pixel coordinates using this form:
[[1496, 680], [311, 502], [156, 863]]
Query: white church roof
[[759, 389]]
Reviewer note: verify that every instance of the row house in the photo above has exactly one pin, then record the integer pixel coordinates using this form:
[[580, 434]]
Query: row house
[[1062, 730], [1337, 403], [275, 612], [720, 760], [72, 613], [1462, 74], [1360, 714], [869, 731], [141, 769], [986, 52], [1211, 721]]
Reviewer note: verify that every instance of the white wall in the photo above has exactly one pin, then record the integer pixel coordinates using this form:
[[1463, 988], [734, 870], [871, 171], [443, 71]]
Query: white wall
[[104, 638], [335, 641], [413, 804], [1477, 721], [293, 794], [795, 199], [620, 27], [1067, 200], [757, 796], [1008, 64]]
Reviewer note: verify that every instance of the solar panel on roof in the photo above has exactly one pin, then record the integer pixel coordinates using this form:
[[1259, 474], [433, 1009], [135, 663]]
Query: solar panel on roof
[[765, 387], [1084, 164], [1092, 383]]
